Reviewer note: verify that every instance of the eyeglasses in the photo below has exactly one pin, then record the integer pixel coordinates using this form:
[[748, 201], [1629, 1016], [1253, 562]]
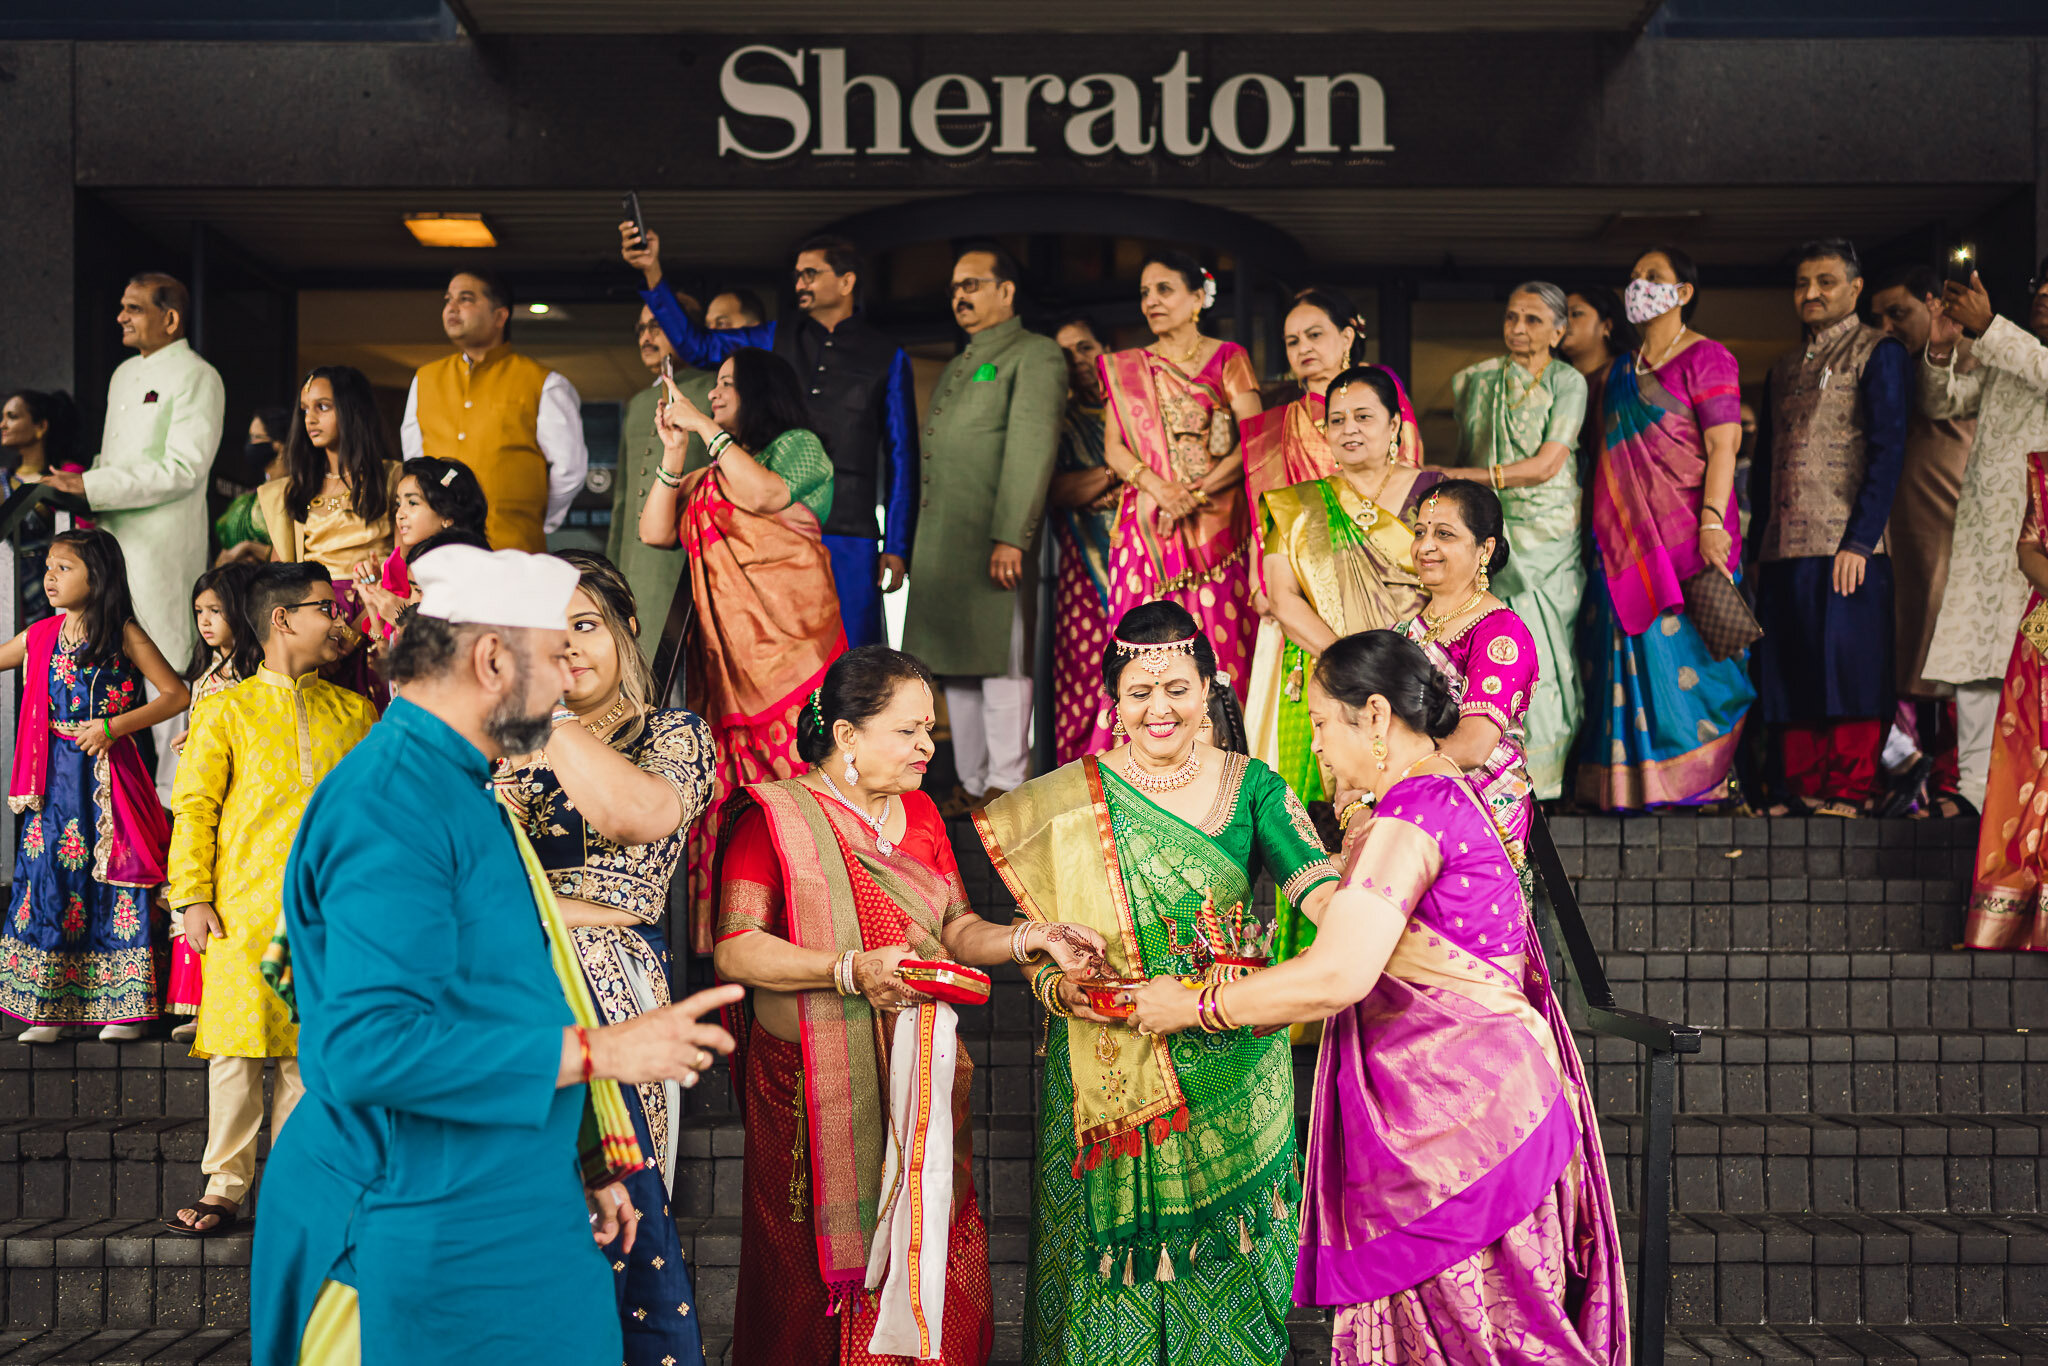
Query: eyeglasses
[[327, 607], [972, 284], [808, 274]]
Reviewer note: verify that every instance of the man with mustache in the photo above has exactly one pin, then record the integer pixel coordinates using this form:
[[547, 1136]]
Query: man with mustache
[[446, 1074], [990, 441], [862, 407], [1831, 440], [651, 571]]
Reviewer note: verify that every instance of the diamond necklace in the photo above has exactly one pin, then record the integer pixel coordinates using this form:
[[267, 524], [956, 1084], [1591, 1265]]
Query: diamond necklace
[[882, 842], [1162, 782]]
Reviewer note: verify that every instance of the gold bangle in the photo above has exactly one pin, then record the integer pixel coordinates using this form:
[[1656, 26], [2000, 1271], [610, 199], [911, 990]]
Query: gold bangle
[[674, 481], [1221, 1013], [1493, 474]]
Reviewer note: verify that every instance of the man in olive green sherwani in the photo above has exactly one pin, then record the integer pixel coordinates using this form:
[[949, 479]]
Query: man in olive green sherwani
[[652, 574], [989, 444]]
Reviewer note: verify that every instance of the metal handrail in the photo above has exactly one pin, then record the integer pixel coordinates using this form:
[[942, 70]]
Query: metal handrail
[[1662, 1040]]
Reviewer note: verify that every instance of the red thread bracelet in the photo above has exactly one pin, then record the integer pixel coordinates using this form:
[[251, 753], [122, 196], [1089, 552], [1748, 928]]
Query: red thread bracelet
[[583, 1042]]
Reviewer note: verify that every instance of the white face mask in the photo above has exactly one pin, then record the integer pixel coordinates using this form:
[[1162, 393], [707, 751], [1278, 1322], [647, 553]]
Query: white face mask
[[1647, 299]]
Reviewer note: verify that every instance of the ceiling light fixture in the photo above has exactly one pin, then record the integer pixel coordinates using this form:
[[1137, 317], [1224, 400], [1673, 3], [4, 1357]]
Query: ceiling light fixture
[[537, 310], [450, 230]]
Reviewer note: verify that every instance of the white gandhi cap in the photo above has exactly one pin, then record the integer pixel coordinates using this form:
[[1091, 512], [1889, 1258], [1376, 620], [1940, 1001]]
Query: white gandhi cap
[[460, 583]]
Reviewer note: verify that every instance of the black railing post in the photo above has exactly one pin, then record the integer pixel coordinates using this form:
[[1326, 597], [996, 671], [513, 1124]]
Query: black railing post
[[1653, 1207]]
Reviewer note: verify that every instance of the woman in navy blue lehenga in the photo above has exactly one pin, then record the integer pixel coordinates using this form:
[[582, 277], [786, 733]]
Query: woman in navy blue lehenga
[[608, 804]]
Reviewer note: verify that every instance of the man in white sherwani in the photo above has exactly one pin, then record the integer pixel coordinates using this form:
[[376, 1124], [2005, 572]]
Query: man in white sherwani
[[148, 484]]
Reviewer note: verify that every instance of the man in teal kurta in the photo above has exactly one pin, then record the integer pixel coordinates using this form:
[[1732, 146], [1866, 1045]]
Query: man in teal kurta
[[432, 1165], [651, 572], [989, 444]]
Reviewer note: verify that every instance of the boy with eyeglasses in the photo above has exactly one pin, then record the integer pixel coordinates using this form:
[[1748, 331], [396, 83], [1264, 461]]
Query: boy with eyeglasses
[[254, 756]]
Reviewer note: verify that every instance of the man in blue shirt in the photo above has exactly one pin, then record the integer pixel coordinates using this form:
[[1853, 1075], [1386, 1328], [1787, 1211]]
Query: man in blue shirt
[[862, 406], [426, 1199]]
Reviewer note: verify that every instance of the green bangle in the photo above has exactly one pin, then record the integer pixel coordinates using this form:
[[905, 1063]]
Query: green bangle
[[108, 727]]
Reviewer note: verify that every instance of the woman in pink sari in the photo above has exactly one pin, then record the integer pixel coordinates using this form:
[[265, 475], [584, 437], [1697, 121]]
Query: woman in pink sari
[[2006, 909], [1488, 1240], [1663, 715], [1183, 531]]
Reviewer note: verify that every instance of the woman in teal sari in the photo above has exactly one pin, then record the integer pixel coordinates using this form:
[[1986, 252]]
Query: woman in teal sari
[[1518, 422], [1164, 1191]]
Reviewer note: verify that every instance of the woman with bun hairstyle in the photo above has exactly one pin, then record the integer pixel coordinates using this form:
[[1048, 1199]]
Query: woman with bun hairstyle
[[1183, 530], [1487, 1240], [827, 883], [1480, 645], [1163, 1196]]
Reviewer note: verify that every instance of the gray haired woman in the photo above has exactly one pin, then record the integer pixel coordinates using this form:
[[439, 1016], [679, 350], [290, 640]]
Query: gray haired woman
[[1519, 417]]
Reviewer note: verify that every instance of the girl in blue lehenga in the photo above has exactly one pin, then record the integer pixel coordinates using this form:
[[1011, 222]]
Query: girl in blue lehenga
[[75, 943], [606, 805], [1663, 716]]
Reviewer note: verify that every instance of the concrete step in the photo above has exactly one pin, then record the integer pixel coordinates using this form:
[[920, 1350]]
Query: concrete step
[[1851, 1344], [1842, 1164], [100, 1168], [1856, 1268], [1841, 1071], [125, 1346], [150, 1079], [1798, 989]]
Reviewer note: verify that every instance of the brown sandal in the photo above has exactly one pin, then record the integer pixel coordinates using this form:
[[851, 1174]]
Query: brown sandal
[[225, 1218]]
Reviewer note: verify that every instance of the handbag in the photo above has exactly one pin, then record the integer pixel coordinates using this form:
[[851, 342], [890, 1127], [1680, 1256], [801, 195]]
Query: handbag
[[1720, 614]]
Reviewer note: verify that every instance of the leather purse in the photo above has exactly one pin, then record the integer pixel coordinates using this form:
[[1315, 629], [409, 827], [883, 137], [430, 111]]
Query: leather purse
[[1720, 614]]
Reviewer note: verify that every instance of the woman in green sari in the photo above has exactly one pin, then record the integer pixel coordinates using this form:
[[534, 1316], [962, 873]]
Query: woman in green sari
[[1164, 1190], [1519, 417]]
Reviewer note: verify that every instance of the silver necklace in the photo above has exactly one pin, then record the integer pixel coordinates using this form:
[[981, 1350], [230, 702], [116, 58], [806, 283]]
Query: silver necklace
[[1163, 782], [882, 842]]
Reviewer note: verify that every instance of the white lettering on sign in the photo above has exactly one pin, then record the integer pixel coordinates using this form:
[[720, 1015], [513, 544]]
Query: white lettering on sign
[[952, 115]]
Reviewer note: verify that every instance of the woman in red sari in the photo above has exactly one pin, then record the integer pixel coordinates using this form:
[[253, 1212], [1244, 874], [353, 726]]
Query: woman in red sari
[[766, 622], [1183, 531], [828, 882]]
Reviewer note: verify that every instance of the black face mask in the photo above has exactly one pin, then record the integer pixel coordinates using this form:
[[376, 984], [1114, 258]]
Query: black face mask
[[256, 457]]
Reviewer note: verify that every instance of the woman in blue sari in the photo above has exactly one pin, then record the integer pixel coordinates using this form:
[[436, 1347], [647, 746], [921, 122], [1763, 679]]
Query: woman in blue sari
[[1663, 716], [606, 805]]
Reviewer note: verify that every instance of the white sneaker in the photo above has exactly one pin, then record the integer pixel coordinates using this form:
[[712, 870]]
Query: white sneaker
[[40, 1034], [187, 1032], [120, 1033]]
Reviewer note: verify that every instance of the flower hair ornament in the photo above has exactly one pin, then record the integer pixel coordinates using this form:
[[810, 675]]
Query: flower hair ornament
[[817, 706], [1208, 290], [1154, 656]]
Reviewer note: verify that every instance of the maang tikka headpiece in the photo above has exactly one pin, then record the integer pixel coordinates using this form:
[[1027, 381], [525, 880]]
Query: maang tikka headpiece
[[1153, 656]]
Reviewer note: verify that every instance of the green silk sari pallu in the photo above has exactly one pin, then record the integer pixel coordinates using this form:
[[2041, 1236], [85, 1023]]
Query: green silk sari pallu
[[1184, 1148]]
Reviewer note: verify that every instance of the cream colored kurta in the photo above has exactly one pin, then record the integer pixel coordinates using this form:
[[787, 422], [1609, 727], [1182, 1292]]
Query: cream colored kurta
[[1987, 595], [256, 753], [148, 484]]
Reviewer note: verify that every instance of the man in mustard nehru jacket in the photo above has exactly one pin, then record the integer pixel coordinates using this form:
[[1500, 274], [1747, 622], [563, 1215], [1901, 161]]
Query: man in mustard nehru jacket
[[513, 421]]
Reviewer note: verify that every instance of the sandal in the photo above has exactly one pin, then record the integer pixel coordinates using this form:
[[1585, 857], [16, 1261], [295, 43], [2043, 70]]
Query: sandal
[[1907, 788], [1949, 805], [225, 1218], [1838, 808]]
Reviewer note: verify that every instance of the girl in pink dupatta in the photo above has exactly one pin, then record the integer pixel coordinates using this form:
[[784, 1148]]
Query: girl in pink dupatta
[[1183, 530], [75, 943], [433, 496], [1455, 1209], [2006, 910]]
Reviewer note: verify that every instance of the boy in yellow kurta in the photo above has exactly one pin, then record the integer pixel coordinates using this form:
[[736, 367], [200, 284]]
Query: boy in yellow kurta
[[255, 754]]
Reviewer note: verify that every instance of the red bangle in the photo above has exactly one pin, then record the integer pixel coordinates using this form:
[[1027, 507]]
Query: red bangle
[[583, 1042]]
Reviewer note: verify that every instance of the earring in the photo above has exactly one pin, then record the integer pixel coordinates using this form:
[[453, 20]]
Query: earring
[[1379, 752], [852, 773], [1394, 445], [1485, 579], [1117, 728], [1208, 724]]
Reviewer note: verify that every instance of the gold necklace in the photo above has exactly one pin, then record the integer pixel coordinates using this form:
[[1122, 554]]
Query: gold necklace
[[1535, 381], [1162, 782], [1187, 359], [603, 723], [1434, 627], [1369, 514], [1669, 351]]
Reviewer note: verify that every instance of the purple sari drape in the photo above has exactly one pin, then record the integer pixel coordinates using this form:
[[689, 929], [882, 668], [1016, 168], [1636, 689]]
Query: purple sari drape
[[1646, 498], [1450, 1103]]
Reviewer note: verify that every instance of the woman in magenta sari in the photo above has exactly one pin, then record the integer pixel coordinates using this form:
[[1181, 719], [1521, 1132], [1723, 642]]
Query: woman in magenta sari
[[1488, 1240], [1663, 716], [1183, 531]]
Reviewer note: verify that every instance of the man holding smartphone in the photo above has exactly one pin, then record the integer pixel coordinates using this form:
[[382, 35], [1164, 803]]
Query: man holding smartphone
[[857, 386], [1986, 595]]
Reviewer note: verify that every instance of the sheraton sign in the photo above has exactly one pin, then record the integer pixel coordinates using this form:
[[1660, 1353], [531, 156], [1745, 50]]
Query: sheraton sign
[[783, 102]]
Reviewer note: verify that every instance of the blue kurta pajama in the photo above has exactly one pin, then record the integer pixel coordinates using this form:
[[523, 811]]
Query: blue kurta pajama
[[432, 1164]]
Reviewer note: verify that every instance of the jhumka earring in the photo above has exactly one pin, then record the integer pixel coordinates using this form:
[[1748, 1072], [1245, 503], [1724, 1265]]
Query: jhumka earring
[[1485, 579], [1117, 727], [852, 773], [1379, 752], [1394, 446]]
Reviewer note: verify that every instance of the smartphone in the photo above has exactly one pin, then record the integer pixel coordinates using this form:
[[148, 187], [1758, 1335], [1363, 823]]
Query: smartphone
[[631, 203], [1962, 262], [668, 367]]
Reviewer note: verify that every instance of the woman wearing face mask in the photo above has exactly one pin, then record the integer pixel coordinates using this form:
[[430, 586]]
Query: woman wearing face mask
[[38, 431], [1163, 1222], [1183, 532], [1666, 716], [1518, 423], [263, 460]]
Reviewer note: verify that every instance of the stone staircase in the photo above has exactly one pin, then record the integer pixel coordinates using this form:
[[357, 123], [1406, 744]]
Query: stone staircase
[[1857, 1174]]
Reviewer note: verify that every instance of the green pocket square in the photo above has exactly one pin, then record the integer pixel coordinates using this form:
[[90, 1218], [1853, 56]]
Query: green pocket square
[[987, 371]]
